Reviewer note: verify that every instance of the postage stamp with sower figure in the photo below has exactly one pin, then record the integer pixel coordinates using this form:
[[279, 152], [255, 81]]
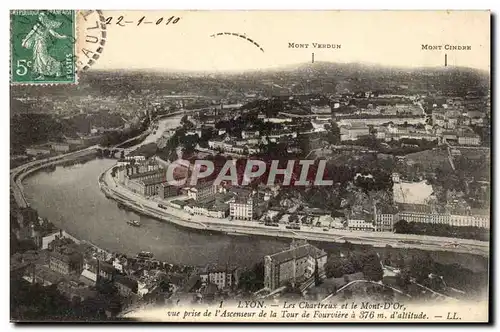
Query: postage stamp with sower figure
[[43, 46]]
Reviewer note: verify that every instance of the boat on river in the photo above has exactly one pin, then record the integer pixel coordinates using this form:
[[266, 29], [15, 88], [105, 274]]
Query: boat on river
[[135, 223]]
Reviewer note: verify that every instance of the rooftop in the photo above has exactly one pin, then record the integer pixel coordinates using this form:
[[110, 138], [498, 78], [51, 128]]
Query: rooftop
[[417, 208], [468, 134], [67, 256], [212, 268], [180, 203], [106, 267], [152, 181], [219, 206], [126, 281], [203, 185], [139, 175], [357, 125], [45, 273], [206, 203], [243, 199], [298, 252]]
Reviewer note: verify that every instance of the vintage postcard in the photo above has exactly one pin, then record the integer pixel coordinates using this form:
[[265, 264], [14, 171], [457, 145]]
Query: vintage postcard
[[250, 166]]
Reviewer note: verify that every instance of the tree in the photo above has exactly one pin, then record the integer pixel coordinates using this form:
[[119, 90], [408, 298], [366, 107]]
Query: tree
[[333, 267], [333, 133], [347, 267], [317, 279], [252, 280], [372, 269], [421, 265], [402, 227], [356, 260], [403, 279]]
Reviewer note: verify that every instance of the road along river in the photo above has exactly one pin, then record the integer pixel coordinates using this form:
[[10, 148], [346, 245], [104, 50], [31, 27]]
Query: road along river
[[379, 239]]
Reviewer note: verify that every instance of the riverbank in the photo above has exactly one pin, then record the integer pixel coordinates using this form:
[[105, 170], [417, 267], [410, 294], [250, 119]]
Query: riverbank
[[150, 208], [18, 174]]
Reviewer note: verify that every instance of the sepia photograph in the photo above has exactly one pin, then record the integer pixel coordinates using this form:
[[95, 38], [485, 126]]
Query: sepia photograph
[[250, 166]]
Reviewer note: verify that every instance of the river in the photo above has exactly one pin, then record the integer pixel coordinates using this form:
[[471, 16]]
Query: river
[[70, 198]]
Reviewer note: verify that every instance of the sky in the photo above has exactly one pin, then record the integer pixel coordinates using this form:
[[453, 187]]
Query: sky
[[388, 38]]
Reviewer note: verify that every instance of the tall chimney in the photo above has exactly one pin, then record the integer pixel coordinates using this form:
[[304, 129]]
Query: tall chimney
[[98, 270]]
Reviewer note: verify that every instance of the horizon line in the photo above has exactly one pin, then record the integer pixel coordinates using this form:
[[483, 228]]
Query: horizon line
[[287, 67]]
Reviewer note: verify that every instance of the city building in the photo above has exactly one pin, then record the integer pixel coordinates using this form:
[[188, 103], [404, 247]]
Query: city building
[[94, 267], [147, 187], [208, 208], [202, 191], [321, 109], [166, 190], [137, 158], [242, 207], [449, 136], [72, 292], [60, 147], [356, 223], [38, 150], [353, 132], [422, 213], [133, 173], [151, 187], [218, 210], [482, 221], [384, 222], [47, 239], [143, 179], [41, 274], [294, 265], [423, 217], [396, 177], [279, 119], [275, 135], [222, 277], [66, 262], [468, 138], [377, 121], [136, 186], [246, 134], [178, 204], [126, 286]]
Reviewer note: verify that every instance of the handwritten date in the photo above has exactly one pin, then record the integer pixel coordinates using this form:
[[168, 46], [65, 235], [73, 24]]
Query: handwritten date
[[122, 21]]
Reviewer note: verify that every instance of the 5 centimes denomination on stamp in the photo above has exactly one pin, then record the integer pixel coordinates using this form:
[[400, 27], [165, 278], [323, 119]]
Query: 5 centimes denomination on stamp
[[43, 46]]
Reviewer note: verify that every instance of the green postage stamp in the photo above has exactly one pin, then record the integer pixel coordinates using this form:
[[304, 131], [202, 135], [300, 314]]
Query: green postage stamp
[[42, 45]]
